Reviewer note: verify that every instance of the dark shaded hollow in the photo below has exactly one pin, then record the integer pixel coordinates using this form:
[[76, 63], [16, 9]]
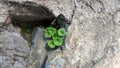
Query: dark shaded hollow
[[36, 16], [27, 27], [31, 24]]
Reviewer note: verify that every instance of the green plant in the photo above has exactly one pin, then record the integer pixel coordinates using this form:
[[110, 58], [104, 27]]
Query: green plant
[[58, 41], [49, 32], [55, 36], [61, 32], [51, 44]]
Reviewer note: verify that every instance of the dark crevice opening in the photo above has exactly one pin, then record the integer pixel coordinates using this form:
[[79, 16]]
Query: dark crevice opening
[[44, 62], [29, 15], [31, 24], [27, 27]]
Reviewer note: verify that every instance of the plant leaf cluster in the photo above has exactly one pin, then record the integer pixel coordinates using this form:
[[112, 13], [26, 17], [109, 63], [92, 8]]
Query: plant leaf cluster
[[55, 36]]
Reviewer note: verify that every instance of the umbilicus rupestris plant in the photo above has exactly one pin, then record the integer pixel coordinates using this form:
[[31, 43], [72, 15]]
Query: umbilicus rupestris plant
[[55, 36]]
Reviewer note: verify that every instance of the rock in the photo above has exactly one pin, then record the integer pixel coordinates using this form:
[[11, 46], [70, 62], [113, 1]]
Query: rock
[[58, 6], [92, 41], [29, 11], [13, 50], [55, 60], [93, 38], [18, 64], [38, 51], [55, 6], [3, 13]]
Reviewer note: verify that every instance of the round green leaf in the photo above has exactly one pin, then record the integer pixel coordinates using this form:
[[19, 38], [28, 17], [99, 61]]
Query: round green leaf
[[47, 34], [55, 35], [58, 41], [61, 32], [50, 31], [51, 44]]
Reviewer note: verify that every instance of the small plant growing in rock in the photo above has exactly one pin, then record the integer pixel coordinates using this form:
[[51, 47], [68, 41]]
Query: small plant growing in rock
[[49, 32], [58, 41], [51, 44], [61, 32], [55, 36]]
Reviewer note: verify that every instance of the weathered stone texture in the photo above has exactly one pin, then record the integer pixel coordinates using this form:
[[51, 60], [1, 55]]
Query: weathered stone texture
[[13, 50], [92, 40]]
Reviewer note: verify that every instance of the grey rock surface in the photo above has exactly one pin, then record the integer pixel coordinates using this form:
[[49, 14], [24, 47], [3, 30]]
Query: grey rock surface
[[38, 51], [55, 60], [3, 13], [29, 11], [93, 38], [13, 50], [55, 6]]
